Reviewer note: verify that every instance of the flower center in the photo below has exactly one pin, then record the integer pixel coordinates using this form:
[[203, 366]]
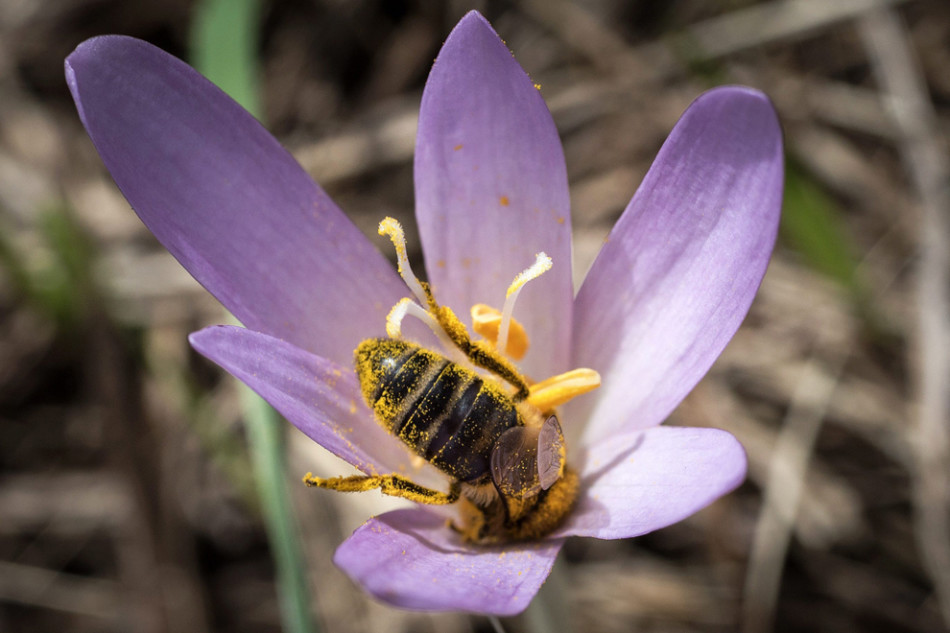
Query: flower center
[[531, 490], [501, 446]]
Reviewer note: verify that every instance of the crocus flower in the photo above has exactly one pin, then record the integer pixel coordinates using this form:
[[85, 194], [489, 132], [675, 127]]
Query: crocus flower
[[668, 290]]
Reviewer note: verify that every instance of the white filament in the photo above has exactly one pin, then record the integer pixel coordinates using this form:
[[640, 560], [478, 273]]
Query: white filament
[[541, 265], [407, 306], [391, 228]]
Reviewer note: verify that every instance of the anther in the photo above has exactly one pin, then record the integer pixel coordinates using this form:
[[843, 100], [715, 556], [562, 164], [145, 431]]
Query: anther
[[487, 320], [542, 264], [556, 390], [392, 229]]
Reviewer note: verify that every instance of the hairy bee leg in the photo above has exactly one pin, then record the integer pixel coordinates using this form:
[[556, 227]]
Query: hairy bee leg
[[471, 527], [392, 485], [480, 353]]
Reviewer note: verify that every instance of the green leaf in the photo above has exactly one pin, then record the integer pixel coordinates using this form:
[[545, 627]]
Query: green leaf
[[224, 45], [812, 225], [224, 48]]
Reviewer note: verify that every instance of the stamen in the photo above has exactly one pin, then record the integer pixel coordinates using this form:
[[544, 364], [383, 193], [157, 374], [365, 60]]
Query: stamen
[[542, 264], [557, 390], [487, 320], [391, 228], [408, 306], [395, 317]]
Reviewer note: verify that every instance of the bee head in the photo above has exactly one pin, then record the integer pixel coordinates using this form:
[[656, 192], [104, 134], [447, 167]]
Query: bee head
[[377, 361]]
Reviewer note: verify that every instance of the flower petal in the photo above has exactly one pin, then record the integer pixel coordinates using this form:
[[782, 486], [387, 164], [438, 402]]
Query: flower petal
[[412, 559], [316, 395], [491, 190], [637, 482], [679, 270], [228, 201]]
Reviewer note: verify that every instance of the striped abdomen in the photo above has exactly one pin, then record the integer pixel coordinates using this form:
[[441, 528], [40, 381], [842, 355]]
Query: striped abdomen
[[443, 411]]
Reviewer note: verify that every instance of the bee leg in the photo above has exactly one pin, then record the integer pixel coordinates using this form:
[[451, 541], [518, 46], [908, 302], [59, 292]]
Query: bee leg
[[471, 525], [393, 485]]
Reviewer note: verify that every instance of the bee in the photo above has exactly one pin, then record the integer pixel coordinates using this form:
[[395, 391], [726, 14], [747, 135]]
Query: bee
[[501, 448], [505, 462]]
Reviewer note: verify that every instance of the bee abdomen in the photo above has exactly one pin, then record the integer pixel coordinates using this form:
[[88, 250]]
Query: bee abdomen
[[439, 410], [470, 432], [444, 412], [403, 382]]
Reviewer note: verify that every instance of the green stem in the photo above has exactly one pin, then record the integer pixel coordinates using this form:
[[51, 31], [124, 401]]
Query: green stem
[[265, 437], [224, 47], [224, 43]]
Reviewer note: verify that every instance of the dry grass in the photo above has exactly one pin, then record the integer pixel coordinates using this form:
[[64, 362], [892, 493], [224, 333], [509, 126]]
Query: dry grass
[[125, 498]]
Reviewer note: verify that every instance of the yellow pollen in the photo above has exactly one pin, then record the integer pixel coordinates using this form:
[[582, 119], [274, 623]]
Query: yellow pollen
[[486, 321], [542, 264], [392, 229], [395, 317], [556, 390], [504, 201]]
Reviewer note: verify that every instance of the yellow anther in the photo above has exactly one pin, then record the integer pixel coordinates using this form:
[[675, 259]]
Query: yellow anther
[[556, 390], [486, 321], [541, 265]]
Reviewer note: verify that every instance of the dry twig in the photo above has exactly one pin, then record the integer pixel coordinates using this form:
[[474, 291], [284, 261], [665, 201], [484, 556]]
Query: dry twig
[[783, 492], [903, 87]]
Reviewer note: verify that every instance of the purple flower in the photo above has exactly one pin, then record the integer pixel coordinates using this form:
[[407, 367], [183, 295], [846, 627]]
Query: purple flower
[[669, 289]]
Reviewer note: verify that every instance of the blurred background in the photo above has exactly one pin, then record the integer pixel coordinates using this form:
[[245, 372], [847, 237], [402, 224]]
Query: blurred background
[[142, 490]]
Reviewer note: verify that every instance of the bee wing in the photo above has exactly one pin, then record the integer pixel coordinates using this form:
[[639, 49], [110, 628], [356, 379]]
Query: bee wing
[[514, 462], [552, 452], [527, 460]]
